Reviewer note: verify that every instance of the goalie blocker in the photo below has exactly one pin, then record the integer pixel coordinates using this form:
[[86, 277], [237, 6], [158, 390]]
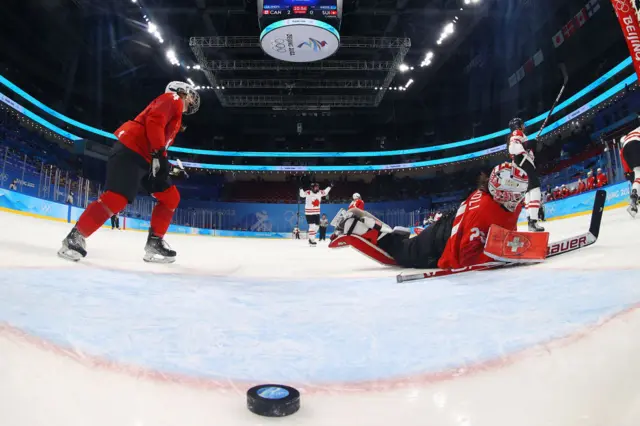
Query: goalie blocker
[[457, 239]]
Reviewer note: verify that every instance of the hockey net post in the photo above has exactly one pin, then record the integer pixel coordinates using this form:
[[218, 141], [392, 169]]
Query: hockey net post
[[557, 248]]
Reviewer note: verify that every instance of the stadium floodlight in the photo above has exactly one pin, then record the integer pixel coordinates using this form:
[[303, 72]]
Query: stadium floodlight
[[403, 67], [427, 59], [409, 83], [152, 28], [172, 57], [191, 82]]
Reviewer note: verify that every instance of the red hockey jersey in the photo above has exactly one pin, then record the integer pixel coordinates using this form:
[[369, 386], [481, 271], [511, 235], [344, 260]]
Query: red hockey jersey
[[601, 180], [475, 216], [154, 128], [358, 204], [591, 183]]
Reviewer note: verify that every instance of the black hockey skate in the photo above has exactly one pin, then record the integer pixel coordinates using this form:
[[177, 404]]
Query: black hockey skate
[[534, 227], [158, 251], [73, 247], [633, 204], [312, 243]]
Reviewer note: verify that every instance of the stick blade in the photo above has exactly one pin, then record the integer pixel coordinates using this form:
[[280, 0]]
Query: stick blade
[[596, 214]]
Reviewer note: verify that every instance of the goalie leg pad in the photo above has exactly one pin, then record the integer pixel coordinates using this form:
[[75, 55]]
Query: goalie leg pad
[[365, 247]]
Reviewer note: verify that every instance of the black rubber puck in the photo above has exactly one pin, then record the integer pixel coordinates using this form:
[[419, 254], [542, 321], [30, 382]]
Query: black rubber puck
[[273, 400]]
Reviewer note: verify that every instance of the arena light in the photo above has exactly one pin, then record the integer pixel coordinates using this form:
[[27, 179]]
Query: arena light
[[409, 83], [172, 57], [427, 59], [403, 67], [191, 82]]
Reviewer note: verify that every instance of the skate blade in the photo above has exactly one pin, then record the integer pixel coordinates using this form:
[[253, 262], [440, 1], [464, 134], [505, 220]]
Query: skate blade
[[69, 254], [156, 258], [631, 212]]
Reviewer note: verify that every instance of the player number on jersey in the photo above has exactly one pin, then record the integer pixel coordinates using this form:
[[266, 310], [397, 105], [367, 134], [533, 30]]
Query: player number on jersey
[[476, 233]]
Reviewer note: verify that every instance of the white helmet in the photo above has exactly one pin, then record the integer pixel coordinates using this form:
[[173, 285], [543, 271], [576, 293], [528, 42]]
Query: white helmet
[[192, 103], [599, 170], [356, 196], [508, 185]]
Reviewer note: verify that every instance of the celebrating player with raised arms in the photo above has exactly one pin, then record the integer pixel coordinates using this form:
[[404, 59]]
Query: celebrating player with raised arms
[[139, 159], [313, 199], [456, 240]]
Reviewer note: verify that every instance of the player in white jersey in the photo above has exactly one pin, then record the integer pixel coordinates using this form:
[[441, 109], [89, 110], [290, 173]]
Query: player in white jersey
[[524, 158], [630, 154], [313, 199]]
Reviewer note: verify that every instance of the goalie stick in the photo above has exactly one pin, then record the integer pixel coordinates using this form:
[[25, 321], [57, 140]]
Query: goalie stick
[[554, 249]]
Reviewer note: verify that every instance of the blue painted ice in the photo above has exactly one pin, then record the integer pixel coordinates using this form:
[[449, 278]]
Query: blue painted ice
[[310, 331]]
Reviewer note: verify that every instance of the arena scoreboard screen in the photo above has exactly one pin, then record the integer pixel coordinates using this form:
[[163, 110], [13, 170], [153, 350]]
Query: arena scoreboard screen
[[300, 30], [326, 9]]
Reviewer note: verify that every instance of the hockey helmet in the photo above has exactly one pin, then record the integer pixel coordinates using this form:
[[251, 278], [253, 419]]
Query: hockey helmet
[[508, 185], [315, 186], [599, 170], [192, 103], [516, 124], [356, 196]]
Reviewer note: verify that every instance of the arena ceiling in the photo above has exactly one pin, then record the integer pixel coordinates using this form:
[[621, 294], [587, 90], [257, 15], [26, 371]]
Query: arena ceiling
[[96, 61]]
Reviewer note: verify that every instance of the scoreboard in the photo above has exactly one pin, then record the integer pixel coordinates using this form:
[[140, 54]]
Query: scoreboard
[[300, 30], [322, 9]]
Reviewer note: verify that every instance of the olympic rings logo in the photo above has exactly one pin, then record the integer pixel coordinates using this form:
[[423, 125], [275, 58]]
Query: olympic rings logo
[[279, 45], [622, 6]]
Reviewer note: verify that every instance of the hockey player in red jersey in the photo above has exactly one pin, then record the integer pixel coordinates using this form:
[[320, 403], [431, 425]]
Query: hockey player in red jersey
[[630, 154], [591, 181], [601, 179], [139, 159], [456, 240], [524, 158], [581, 186], [357, 202]]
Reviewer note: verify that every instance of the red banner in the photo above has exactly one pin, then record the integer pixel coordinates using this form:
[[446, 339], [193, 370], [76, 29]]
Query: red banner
[[628, 18]]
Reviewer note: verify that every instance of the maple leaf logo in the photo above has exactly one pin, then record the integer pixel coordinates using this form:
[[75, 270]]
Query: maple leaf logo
[[315, 203]]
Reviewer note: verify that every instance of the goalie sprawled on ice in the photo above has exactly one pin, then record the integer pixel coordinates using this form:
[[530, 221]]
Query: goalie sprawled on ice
[[458, 239]]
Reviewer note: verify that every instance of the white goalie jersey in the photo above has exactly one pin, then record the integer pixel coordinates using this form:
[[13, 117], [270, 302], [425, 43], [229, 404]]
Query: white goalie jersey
[[313, 200]]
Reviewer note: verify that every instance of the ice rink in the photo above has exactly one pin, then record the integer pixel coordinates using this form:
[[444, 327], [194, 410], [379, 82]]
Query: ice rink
[[115, 341]]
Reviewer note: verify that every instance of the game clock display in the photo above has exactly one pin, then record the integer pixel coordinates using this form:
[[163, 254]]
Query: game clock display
[[316, 9]]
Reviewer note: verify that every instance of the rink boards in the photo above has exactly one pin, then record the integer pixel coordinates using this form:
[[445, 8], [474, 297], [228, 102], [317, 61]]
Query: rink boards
[[16, 202]]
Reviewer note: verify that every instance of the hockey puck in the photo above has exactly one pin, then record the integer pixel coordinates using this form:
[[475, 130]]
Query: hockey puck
[[273, 400]]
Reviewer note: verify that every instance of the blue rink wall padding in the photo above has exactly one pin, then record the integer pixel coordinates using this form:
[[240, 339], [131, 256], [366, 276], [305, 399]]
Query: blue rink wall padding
[[15, 201], [582, 203]]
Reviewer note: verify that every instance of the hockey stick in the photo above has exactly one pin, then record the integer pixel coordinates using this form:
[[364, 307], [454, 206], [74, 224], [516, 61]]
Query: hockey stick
[[554, 249], [565, 77]]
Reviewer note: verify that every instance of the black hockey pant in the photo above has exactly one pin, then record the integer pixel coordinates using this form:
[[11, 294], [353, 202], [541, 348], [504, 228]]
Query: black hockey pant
[[422, 251]]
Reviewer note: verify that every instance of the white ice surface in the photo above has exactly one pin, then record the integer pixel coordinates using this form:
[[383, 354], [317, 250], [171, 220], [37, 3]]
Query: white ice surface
[[116, 341]]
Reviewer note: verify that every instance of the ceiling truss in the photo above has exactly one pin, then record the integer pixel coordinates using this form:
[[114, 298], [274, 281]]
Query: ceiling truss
[[388, 69]]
